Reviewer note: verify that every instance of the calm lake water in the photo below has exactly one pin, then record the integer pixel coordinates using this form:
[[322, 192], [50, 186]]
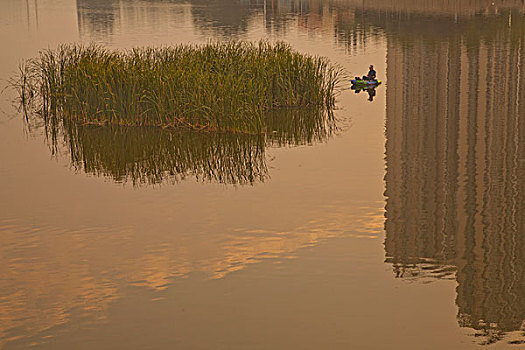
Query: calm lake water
[[398, 225]]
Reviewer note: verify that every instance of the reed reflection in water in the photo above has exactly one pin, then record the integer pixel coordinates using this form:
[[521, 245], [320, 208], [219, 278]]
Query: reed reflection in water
[[150, 155], [455, 155]]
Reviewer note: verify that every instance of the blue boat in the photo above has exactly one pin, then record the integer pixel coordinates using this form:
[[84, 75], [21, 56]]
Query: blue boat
[[365, 83]]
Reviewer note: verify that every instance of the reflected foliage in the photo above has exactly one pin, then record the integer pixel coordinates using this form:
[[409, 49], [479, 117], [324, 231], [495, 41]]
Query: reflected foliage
[[224, 18], [299, 127], [150, 155], [355, 23], [97, 17]]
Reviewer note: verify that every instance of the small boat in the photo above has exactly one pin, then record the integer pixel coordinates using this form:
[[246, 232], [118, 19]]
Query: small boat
[[361, 82]]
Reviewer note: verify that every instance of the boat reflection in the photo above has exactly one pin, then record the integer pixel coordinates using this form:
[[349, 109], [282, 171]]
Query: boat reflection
[[455, 156], [370, 90]]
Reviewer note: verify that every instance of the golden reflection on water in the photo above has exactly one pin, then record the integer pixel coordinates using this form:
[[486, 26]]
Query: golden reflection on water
[[454, 168], [53, 276], [455, 156]]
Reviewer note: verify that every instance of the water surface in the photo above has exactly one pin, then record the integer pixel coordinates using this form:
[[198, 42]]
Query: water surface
[[398, 225]]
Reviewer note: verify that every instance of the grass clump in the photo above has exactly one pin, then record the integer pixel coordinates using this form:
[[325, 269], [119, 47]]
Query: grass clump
[[227, 86]]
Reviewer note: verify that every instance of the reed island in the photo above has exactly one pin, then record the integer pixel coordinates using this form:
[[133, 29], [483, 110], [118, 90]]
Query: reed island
[[222, 86]]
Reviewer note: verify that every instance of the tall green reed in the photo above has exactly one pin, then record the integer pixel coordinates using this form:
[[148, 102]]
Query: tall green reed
[[223, 86]]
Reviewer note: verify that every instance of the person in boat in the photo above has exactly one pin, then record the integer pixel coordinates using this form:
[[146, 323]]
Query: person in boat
[[371, 73]]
